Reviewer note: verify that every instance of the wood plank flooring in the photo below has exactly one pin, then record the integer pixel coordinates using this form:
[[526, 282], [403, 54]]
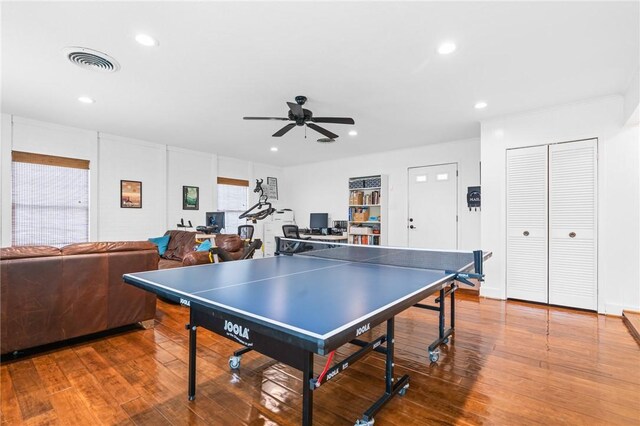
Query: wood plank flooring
[[632, 320], [510, 363]]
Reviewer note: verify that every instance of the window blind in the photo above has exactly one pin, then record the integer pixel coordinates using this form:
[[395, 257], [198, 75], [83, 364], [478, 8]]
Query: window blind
[[233, 200], [50, 200]]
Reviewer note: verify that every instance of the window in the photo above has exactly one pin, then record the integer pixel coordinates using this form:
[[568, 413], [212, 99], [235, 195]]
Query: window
[[50, 203], [233, 195]]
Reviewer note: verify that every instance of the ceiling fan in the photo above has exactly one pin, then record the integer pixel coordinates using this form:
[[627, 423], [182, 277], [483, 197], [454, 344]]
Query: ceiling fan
[[301, 117]]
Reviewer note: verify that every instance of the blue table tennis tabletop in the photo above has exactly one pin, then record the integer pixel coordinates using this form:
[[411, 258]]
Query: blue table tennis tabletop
[[308, 296]]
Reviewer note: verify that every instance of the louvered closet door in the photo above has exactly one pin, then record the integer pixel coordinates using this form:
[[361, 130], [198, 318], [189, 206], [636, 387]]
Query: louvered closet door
[[527, 224], [572, 224]]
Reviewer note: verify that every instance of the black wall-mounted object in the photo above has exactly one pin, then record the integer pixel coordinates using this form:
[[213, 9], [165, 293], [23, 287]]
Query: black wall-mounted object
[[473, 197]]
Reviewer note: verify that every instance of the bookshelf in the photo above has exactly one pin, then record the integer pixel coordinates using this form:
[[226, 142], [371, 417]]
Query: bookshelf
[[368, 201]]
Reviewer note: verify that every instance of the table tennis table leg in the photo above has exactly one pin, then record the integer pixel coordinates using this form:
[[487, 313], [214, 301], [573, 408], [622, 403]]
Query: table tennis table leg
[[441, 317], [192, 357], [307, 393], [392, 387]]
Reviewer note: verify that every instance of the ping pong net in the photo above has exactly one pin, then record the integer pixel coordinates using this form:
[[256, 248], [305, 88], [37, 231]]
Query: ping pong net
[[452, 261]]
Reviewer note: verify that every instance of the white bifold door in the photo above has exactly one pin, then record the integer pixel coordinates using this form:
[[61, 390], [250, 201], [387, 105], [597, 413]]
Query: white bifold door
[[552, 224], [527, 243], [572, 225]]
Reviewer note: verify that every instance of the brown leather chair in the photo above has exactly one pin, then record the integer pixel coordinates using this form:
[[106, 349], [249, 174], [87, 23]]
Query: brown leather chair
[[181, 250]]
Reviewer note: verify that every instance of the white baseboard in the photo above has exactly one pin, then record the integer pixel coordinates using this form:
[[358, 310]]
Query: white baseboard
[[615, 309], [492, 293]]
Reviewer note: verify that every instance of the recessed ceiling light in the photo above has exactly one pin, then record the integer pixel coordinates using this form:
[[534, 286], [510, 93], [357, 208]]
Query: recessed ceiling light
[[480, 105], [353, 133], [274, 149], [86, 100], [446, 48], [146, 40]]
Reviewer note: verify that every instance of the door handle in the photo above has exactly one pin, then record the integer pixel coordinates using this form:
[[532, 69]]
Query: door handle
[[525, 233], [412, 227], [572, 234]]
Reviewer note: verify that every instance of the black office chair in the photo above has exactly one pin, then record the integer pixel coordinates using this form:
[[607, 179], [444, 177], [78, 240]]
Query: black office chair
[[291, 231], [246, 232]]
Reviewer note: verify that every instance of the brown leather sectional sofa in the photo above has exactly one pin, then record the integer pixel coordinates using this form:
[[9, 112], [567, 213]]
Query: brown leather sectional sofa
[[50, 294], [182, 245]]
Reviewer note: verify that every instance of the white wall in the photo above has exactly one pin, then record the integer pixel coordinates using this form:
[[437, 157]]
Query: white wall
[[5, 180], [323, 187], [619, 189], [162, 169], [51, 139], [632, 101], [129, 159], [190, 168]]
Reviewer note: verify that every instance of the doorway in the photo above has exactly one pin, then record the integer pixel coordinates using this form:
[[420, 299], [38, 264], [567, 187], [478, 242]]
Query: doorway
[[433, 206]]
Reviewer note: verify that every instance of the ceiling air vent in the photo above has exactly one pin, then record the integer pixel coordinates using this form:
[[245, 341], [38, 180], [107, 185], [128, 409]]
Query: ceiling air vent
[[91, 59]]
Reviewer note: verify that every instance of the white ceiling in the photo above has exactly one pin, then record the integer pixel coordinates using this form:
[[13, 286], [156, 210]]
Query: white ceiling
[[375, 62]]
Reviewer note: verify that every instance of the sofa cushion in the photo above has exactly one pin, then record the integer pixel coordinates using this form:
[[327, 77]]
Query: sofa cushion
[[204, 246], [161, 242], [180, 243], [168, 264], [230, 242], [22, 252], [106, 247]]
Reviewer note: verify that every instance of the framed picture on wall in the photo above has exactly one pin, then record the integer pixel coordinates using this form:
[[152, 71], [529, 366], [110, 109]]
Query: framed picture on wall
[[130, 194], [190, 198], [272, 188]]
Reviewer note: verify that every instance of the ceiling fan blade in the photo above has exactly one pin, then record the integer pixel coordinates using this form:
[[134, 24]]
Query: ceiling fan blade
[[323, 131], [296, 109], [265, 118], [336, 120], [284, 130]]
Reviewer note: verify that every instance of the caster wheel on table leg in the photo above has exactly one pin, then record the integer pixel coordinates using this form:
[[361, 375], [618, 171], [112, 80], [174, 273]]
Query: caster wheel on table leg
[[361, 422], [446, 340], [234, 362], [403, 391], [434, 356]]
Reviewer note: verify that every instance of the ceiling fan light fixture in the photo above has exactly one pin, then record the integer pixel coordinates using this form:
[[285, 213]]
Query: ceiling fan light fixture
[[326, 140], [274, 149], [353, 133]]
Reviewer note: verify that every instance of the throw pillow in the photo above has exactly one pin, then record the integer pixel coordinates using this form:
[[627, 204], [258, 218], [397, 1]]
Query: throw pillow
[[205, 245], [161, 242]]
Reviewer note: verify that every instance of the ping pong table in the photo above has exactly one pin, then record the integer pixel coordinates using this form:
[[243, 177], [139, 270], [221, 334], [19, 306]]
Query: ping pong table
[[312, 298]]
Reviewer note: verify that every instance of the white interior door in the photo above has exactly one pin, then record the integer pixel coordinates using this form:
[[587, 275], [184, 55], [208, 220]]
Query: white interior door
[[527, 224], [572, 224], [433, 207]]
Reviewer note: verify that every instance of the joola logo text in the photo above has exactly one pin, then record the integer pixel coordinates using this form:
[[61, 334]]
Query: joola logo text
[[236, 329], [363, 329]]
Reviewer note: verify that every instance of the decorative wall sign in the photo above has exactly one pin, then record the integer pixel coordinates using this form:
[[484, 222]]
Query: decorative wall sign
[[130, 194], [473, 197], [190, 198], [272, 188]]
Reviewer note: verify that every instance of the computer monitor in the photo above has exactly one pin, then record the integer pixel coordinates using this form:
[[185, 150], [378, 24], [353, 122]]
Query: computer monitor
[[319, 220], [215, 219]]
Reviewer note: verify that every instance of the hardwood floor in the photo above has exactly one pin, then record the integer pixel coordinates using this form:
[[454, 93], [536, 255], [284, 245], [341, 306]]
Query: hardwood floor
[[510, 363], [632, 321]]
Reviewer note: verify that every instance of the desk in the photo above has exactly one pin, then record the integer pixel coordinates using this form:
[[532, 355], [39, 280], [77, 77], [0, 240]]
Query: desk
[[334, 238]]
